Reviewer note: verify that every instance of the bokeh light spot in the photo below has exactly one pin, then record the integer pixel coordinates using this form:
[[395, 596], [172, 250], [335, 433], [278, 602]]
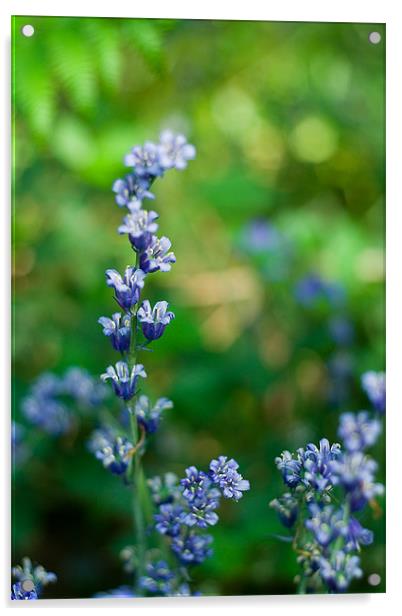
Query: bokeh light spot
[[375, 38], [28, 30], [313, 140], [374, 579]]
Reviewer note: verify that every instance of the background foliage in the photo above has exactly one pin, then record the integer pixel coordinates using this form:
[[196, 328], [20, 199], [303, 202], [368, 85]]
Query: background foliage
[[288, 121]]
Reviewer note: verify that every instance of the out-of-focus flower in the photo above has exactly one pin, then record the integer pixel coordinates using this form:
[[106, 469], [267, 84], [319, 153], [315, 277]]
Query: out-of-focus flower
[[260, 236], [131, 191], [159, 579], [113, 450], [48, 414], [339, 570], [123, 380], [140, 226], [164, 489], [48, 404], [19, 594], [18, 447], [358, 431], [170, 519], [149, 416], [373, 384], [30, 580], [145, 160], [192, 549], [325, 523], [154, 320], [82, 388], [341, 330], [287, 509], [174, 151], [355, 472], [356, 535], [312, 288]]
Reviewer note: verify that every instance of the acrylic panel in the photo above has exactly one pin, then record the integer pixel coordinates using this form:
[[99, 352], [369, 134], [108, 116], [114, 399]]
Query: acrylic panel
[[198, 308]]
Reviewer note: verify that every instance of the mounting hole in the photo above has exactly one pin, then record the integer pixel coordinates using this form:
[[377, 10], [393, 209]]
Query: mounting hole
[[374, 579], [28, 585], [28, 30], [374, 38]]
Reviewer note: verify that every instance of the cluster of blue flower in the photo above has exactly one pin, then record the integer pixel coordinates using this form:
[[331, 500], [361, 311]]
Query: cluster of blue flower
[[186, 508], [29, 581], [182, 509], [329, 486], [52, 399]]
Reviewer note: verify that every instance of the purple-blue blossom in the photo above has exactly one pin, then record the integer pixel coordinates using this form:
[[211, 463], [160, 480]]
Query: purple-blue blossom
[[165, 489], [145, 160], [355, 472], [312, 289], [174, 150], [124, 380], [169, 519], [154, 320], [48, 404], [287, 508], [341, 330], [23, 592], [19, 450], [195, 484], [158, 579], [192, 549], [140, 227], [118, 329], [131, 191], [83, 389], [149, 416], [373, 383], [290, 468], [30, 580], [202, 498], [310, 466], [48, 414], [317, 462], [127, 288], [338, 570], [224, 474], [358, 430], [325, 523], [356, 535], [157, 256], [111, 449]]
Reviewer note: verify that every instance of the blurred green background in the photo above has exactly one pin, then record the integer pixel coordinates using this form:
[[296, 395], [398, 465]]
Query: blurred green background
[[288, 122]]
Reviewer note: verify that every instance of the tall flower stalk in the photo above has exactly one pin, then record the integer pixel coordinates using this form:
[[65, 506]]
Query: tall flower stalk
[[179, 511]]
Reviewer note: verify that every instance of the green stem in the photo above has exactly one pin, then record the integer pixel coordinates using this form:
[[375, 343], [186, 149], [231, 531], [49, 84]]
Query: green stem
[[138, 481], [136, 468], [301, 588]]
